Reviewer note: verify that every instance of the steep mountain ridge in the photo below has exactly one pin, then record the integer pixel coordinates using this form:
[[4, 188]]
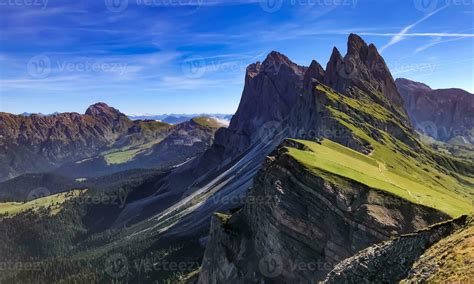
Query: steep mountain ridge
[[359, 108], [443, 114], [277, 230]]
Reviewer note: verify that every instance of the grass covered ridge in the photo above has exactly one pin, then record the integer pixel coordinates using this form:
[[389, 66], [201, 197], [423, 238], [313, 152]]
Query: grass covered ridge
[[208, 122], [54, 202], [384, 170]]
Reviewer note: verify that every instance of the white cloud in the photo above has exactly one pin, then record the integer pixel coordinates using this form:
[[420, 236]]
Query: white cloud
[[435, 42], [401, 35]]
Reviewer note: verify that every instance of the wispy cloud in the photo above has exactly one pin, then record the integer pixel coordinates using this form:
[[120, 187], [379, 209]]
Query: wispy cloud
[[401, 35], [435, 42]]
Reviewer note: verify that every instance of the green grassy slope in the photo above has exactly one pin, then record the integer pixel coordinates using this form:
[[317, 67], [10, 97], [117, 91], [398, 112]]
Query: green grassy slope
[[150, 133], [329, 158], [54, 202], [126, 154]]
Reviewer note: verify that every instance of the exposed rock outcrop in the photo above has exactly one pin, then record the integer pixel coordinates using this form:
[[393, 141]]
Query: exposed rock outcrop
[[364, 68], [315, 72], [395, 260], [271, 90]]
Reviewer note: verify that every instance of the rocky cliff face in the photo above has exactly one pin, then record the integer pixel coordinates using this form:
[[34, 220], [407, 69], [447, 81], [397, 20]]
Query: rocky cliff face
[[280, 100], [271, 90], [418, 257], [364, 68], [295, 226], [360, 77], [444, 114]]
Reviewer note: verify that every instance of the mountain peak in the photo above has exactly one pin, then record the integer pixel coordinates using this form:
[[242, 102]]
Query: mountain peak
[[102, 109], [314, 71], [276, 56], [333, 67], [362, 66], [275, 60], [335, 55], [356, 46], [411, 85]]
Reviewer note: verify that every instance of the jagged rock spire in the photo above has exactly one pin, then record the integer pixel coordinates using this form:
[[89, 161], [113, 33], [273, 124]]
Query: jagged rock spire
[[270, 92], [363, 67], [314, 72]]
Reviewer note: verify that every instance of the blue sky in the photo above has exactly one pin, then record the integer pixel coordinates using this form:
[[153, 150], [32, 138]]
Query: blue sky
[[189, 56]]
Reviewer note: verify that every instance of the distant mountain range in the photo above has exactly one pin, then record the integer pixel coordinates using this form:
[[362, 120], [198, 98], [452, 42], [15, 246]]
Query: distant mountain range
[[178, 118], [101, 141], [168, 118], [443, 114]]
